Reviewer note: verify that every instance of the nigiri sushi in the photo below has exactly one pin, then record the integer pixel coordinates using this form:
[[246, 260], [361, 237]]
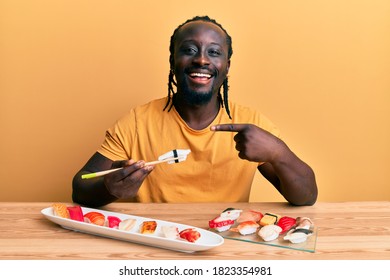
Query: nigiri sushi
[[249, 215], [148, 227], [269, 219], [60, 210], [221, 224], [303, 222], [113, 222], [245, 228], [286, 223], [95, 218], [270, 232], [127, 224], [301, 231], [298, 235], [170, 232], [189, 234], [76, 213], [231, 214]]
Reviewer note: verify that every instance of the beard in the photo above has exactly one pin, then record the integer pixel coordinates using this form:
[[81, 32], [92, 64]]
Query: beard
[[193, 97], [197, 98]]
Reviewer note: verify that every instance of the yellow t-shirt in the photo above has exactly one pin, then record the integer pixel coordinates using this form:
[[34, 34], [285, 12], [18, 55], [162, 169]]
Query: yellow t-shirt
[[212, 172]]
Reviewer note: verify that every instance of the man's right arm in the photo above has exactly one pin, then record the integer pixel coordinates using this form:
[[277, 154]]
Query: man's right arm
[[92, 192], [123, 183]]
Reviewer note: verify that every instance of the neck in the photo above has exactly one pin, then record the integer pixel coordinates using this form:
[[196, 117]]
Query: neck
[[197, 117]]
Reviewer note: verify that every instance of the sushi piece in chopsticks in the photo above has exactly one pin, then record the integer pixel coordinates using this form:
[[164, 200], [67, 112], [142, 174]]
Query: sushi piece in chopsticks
[[174, 156], [245, 228]]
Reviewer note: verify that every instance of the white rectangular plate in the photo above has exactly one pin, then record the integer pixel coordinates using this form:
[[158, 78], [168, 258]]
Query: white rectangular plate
[[206, 241]]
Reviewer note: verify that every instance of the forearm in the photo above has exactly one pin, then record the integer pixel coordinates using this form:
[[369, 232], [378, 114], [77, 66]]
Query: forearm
[[296, 180], [90, 192]]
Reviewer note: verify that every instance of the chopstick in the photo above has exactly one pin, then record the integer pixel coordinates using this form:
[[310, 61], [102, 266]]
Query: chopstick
[[105, 172], [164, 160]]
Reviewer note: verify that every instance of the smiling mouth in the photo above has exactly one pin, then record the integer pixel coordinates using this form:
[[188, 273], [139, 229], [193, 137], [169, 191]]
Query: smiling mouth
[[200, 78], [200, 75]]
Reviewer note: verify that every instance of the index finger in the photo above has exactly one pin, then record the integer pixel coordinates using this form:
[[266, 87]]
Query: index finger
[[234, 127]]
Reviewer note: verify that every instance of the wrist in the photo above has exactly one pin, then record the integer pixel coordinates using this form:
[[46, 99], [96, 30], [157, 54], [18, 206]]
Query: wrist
[[281, 153]]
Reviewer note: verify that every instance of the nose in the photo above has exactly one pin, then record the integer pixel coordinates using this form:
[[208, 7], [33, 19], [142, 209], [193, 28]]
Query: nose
[[201, 58]]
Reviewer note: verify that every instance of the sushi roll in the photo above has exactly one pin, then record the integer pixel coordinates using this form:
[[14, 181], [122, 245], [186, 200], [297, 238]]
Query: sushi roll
[[245, 228]]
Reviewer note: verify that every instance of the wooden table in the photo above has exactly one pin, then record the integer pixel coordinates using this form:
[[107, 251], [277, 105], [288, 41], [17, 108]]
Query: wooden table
[[349, 230]]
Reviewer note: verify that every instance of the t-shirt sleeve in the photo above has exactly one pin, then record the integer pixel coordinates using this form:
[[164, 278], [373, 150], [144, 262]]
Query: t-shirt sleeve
[[118, 139], [269, 126]]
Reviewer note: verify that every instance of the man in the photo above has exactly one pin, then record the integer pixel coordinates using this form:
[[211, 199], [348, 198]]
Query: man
[[227, 145]]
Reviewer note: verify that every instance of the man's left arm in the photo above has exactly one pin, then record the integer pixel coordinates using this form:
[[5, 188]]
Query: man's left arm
[[293, 178]]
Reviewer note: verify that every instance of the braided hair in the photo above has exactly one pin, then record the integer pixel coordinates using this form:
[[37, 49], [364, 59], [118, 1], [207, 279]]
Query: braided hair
[[171, 80]]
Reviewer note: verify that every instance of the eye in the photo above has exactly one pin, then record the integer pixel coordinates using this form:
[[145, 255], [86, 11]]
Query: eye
[[214, 52], [188, 50]]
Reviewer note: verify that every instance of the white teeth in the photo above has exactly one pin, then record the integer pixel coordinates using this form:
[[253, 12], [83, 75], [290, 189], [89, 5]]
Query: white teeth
[[200, 75]]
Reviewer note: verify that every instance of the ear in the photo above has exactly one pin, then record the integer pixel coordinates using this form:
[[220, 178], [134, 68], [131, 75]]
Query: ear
[[228, 66]]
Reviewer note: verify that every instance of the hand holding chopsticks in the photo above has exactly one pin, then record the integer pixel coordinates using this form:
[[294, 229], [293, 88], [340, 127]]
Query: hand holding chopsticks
[[170, 157]]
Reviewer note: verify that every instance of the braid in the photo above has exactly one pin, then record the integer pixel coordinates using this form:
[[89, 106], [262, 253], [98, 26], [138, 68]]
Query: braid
[[225, 97], [171, 80], [224, 101]]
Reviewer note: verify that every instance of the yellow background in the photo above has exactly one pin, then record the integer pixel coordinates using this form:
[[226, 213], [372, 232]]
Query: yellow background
[[319, 69]]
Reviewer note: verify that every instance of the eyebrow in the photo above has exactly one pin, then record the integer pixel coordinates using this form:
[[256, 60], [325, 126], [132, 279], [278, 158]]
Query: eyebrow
[[193, 41]]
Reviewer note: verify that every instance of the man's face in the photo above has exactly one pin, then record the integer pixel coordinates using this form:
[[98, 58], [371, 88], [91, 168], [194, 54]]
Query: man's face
[[200, 61]]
